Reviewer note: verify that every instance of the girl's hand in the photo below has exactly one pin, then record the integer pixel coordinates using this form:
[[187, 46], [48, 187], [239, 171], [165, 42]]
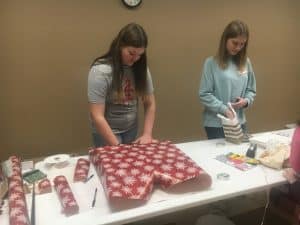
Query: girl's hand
[[144, 139], [229, 114], [239, 103]]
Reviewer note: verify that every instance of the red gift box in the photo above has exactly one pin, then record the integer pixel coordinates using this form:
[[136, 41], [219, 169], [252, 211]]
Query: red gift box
[[44, 186], [81, 170], [129, 171], [66, 197]]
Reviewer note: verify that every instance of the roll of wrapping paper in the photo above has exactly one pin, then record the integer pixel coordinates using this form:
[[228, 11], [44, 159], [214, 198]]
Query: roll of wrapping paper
[[18, 213]]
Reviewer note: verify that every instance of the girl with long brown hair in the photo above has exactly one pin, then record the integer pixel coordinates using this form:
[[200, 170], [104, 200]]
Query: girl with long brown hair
[[117, 80]]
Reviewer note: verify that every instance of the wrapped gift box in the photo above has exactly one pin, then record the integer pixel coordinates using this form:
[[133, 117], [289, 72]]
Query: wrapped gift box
[[43, 186], [129, 171], [81, 170], [66, 197]]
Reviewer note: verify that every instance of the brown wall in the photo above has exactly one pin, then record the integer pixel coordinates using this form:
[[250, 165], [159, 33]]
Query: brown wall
[[46, 48]]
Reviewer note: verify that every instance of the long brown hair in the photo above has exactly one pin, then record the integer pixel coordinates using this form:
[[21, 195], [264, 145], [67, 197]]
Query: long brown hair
[[232, 30], [131, 35]]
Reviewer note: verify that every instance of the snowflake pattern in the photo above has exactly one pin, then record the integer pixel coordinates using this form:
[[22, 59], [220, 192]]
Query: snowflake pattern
[[116, 194], [18, 189], [135, 171], [181, 158], [65, 200], [138, 163], [116, 161], [149, 168], [179, 175], [166, 167], [107, 165], [141, 157], [157, 161], [14, 196], [124, 165], [20, 203], [119, 155], [127, 190], [59, 187], [145, 178], [180, 165], [157, 156], [129, 180], [171, 155], [13, 183], [132, 154], [141, 189], [15, 211], [191, 170], [22, 219], [121, 172], [66, 191], [106, 160], [170, 160], [110, 170], [129, 160], [115, 184], [111, 178]]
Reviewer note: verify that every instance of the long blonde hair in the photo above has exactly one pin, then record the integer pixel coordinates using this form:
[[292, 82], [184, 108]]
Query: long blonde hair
[[234, 29]]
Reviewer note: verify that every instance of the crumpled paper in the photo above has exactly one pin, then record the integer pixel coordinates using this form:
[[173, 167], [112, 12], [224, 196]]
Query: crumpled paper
[[274, 156]]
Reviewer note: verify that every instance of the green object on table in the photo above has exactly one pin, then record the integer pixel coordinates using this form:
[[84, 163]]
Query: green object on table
[[33, 176]]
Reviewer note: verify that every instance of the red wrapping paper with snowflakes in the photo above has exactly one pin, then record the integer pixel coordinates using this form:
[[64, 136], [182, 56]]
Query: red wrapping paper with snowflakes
[[66, 197], [129, 171], [81, 170], [18, 214]]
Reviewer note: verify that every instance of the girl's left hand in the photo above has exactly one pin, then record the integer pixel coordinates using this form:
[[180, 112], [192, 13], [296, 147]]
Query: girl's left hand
[[239, 103], [144, 139]]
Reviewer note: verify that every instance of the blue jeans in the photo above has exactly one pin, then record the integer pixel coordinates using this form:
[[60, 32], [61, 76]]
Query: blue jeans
[[217, 132], [124, 138]]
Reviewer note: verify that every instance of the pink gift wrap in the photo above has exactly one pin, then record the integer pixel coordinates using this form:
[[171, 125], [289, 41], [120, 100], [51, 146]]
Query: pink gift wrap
[[129, 171], [66, 197]]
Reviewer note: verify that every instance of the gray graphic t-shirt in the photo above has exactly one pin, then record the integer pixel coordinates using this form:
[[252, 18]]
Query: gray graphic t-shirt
[[120, 113]]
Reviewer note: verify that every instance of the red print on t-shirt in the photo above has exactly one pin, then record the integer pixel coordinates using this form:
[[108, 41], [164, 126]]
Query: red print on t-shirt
[[128, 91]]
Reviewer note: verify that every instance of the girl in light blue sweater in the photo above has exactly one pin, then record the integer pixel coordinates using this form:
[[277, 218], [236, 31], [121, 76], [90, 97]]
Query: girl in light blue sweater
[[227, 77]]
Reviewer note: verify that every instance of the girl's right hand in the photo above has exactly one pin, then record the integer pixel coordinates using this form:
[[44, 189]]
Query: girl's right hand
[[229, 114]]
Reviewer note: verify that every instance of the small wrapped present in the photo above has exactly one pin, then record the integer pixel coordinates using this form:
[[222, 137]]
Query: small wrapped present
[[43, 186], [81, 170], [66, 197]]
